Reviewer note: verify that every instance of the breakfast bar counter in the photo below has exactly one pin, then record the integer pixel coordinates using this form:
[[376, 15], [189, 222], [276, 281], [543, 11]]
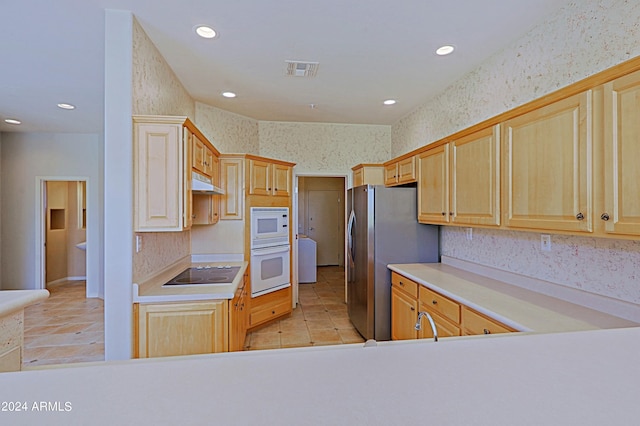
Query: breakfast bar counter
[[577, 378]]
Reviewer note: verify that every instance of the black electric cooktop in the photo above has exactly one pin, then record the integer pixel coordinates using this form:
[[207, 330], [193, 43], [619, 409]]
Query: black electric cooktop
[[205, 275]]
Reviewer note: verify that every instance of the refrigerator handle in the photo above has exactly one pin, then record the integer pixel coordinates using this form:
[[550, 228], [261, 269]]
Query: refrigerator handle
[[350, 239]]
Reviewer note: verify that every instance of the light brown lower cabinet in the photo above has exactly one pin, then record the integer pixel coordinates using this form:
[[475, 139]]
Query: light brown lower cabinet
[[450, 317], [191, 328], [270, 306]]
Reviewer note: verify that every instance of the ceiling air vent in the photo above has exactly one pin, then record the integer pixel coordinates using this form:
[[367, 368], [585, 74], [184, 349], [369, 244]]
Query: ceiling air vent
[[301, 69]]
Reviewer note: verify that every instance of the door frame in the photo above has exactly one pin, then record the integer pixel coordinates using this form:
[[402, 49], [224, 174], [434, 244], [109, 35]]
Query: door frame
[[347, 183], [40, 227]]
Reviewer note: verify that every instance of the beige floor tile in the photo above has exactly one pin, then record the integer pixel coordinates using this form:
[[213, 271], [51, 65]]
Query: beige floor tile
[[342, 323], [312, 308], [319, 325], [295, 339], [265, 341], [325, 337], [350, 336], [317, 316], [270, 328]]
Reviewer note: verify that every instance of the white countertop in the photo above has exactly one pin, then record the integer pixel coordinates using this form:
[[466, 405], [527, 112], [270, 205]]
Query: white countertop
[[151, 289], [522, 309], [14, 300], [578, 378]]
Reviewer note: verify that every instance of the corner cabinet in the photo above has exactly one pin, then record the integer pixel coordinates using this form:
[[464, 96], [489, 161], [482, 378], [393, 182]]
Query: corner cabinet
[[548, 167], [162, 174], [368, 174]]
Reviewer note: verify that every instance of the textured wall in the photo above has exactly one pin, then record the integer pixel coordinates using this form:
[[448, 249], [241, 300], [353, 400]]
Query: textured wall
[[580, 40], [325, 148], [230, 133], [157, 90]]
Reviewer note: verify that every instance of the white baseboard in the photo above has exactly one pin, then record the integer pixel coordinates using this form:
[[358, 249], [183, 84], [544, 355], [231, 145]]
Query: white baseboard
[[61, 280], [609, 305]]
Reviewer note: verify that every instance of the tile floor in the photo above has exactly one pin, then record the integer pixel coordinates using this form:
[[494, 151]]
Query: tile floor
[[68, 327], [320, 319], [65, 328]]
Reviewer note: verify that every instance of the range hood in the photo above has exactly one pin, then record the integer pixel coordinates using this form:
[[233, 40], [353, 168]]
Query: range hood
[[201, 184]]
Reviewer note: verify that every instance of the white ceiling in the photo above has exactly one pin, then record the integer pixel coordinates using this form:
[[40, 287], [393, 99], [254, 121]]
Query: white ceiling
[[368, 50]]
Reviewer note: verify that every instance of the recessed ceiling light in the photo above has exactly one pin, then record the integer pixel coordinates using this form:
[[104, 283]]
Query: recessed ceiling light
[[229, 94], [389, 102], [12, 121], [444, 50], [66, 106], [206, 32]]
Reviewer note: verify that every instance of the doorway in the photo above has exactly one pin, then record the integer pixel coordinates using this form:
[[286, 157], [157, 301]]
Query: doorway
[[319, 204], [61, 245]]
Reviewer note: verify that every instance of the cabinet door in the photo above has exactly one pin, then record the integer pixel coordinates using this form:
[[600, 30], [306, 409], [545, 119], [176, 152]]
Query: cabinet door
[[208, 162], [391, 174], [159, 183], [433, 185], [475, 178], [358, 177], [281, 180], [548, 166], [232, 182], [404, 314], [622, 156], [259, 177], [407, 170], [199, 156], [187, 199], [170, 329]]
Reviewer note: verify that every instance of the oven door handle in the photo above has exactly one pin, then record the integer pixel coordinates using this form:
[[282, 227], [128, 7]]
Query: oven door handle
[[269, 250]]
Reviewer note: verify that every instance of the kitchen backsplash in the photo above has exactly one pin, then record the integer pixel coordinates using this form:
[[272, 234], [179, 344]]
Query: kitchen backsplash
[[230, 133], [157, 91], [607, 267]]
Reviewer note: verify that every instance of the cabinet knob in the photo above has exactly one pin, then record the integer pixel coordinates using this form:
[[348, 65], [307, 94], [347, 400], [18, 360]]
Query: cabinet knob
[[605, 216], [435, 302], [579, 216], [486, 331], [401, 283], [450, 213], [215, 214], [413, 309], [444, 214], [273, 312]]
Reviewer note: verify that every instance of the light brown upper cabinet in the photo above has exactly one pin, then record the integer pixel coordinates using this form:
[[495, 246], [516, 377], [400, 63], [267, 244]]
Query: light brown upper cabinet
[[433, 185], [368, 174], [268, 178], [621, 210], [162, 174], [232, 183], [548, 167], [399, 172]]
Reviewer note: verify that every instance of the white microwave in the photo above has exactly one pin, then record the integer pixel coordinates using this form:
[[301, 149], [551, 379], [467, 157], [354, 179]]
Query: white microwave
[[269, 226]]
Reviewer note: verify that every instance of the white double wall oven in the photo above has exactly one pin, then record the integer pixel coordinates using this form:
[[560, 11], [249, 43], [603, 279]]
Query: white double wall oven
[[270, 250]]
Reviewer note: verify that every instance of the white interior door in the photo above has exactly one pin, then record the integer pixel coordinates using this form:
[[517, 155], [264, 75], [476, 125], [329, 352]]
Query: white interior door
[[324, 225]]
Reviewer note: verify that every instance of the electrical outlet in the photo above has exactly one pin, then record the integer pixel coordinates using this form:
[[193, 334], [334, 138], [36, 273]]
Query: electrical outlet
[[469, 233], [138, 243], [545, 242]]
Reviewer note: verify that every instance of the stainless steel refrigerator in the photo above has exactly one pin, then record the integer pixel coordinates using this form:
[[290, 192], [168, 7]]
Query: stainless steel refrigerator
[[382, 229]]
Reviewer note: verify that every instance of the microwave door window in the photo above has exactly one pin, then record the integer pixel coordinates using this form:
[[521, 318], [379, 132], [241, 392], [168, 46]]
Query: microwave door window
[[267, 226]]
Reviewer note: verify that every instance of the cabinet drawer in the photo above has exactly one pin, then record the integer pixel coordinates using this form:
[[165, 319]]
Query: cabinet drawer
[[405, 284], [440, 304], [476, 323], [267, 312]]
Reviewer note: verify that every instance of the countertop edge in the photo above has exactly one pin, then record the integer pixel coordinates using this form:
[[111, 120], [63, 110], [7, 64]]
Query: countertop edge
[[14, 300]]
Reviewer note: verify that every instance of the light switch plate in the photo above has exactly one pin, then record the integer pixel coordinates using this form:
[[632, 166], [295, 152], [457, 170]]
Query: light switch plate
[[545, 242]]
